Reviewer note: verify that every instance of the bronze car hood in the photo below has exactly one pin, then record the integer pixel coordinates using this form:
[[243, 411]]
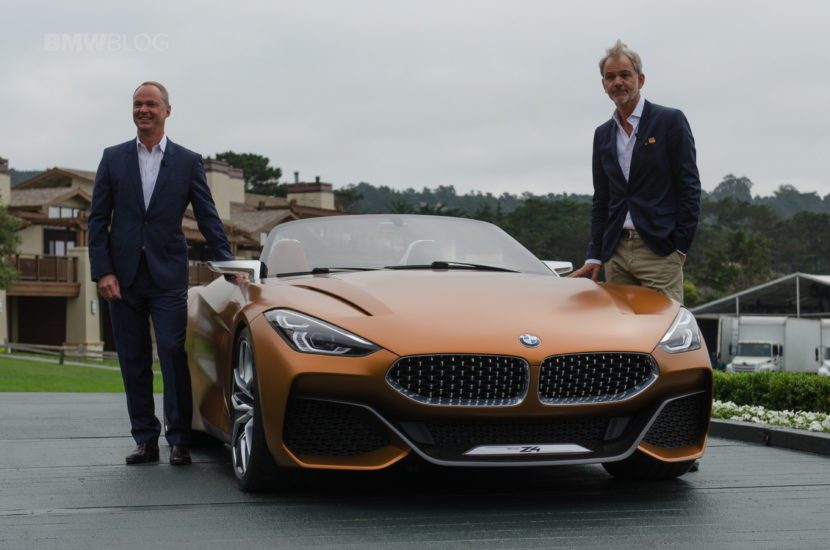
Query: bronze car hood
[[455, 311]]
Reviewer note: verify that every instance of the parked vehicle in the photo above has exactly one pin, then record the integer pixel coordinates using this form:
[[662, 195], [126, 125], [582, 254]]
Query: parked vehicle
[[370, 339], [757, 356], [824, 369], [761, 344], [824, 349]]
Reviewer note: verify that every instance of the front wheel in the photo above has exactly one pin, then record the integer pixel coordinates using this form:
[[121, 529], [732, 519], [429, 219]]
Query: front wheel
[[253, 465], [643, 467]]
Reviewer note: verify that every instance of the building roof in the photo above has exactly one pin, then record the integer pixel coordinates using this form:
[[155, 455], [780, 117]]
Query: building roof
[[191, 230], [39, 197], [265, 201], [255, 221], [796, 294], [51, 177], [314, 212]]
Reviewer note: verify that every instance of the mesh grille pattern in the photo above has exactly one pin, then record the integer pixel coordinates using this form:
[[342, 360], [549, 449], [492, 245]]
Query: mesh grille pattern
[[466, 380], [509, 431], [594, 377], [681, 422], [331, 429]]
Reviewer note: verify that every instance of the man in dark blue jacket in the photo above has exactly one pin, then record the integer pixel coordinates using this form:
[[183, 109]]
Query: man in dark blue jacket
[[138, 255], [646, 185]]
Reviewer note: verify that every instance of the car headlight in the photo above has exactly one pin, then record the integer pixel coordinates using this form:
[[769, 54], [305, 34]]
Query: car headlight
[[683, 335], [309, 335]]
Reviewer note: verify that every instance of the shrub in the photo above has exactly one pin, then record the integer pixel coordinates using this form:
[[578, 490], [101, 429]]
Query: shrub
[[781, 391]]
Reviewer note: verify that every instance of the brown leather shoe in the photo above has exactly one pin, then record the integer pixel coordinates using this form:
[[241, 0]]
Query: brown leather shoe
[[179, 455], [143, 453]]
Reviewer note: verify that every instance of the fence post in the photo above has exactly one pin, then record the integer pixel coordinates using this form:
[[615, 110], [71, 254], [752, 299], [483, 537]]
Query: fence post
[[62, 356]]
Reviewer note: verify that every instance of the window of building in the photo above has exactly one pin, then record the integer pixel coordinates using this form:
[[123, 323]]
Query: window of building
[[58, 242], [63, 212]]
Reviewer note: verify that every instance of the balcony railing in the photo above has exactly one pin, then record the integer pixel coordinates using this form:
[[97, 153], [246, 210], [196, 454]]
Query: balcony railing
[[64, 269], [50, 269], [42, 275]]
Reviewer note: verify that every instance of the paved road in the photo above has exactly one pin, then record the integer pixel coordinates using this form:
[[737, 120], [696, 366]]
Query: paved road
[[63, 484]]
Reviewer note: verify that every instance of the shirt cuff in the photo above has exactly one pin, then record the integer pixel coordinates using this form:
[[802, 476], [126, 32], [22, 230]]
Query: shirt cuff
[[593, 261]]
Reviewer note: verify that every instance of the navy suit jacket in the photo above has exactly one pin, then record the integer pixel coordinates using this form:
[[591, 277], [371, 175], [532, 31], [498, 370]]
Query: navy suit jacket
[[663, 189], [121, 228]]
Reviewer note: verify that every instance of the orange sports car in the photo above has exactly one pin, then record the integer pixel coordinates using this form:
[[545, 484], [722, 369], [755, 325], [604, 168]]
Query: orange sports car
[[357, 341]]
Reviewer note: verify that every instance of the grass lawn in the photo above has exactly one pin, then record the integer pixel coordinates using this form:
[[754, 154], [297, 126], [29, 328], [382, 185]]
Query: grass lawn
[[19, 375], [102, 362]]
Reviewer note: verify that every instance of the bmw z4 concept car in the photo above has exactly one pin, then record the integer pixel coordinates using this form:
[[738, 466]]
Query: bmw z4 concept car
[[357, 341]]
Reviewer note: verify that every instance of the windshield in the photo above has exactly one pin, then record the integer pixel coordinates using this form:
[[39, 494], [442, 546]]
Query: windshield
[[378, 241], [746, 349]]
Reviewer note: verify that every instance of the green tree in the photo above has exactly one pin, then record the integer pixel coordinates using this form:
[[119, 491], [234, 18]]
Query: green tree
[[691, 294], [733, 187], [260, 176], [347, 198], [487, 213], [9, 241], [400, 205], [736, 260], [802, 243], [787, 201], [552, 229]]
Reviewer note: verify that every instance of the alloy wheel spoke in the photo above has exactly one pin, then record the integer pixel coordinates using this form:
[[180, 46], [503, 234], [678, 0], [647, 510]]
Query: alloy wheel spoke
[[240, 404], [242, 385], [243, 401]]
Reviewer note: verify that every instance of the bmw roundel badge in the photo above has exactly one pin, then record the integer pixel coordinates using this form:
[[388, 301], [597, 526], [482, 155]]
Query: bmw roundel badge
[[529, 340]]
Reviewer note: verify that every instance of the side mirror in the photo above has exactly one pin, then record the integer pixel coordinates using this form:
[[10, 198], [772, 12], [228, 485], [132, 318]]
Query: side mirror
[[558, 267], [254, 269], [816, 355]]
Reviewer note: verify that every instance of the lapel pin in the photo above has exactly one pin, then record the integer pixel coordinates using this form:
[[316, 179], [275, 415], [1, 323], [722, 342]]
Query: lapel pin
[[651, 141]]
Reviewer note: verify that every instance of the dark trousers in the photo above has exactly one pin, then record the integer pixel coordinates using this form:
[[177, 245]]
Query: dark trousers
[[131, 315]]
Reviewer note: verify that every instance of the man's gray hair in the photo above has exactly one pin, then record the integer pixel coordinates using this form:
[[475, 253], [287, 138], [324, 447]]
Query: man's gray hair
[[164, 95], [618, 50]]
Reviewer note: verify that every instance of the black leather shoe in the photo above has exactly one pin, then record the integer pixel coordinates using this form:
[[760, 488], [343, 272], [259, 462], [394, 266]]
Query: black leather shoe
[[143, 453], [179, 455]]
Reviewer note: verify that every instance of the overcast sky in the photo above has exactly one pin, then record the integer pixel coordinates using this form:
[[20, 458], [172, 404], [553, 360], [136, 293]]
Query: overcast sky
[[491, 96]]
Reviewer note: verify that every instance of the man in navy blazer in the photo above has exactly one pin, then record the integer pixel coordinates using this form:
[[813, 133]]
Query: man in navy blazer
[[138, 255], [646, 185]]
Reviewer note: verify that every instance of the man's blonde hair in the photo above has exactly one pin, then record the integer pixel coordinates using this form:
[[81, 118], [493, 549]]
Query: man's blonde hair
[[620, 49]]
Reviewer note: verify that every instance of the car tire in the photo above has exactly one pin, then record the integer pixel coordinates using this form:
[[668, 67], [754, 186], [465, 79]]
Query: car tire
[[643, 467], [252, 462]]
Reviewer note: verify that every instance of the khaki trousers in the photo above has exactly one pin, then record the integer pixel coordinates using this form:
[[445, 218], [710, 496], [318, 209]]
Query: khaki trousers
[[633, 263]]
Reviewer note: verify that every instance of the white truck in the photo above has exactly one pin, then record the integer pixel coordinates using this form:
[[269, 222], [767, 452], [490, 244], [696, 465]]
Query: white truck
[[824, 349], [759, 344]]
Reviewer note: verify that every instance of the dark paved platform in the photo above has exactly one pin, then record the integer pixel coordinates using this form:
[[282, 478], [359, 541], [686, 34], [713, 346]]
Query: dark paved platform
[[63, 484]]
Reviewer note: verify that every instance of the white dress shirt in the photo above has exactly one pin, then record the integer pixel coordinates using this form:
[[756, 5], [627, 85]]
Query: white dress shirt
[[625, 150], [149, 163], [625, 146]]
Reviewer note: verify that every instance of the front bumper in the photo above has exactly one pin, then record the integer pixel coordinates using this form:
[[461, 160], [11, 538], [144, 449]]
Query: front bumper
[[340, 413]]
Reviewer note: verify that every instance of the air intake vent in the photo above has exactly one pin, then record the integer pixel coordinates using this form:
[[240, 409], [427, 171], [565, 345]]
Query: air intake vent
[[681, 422], [324, 428]]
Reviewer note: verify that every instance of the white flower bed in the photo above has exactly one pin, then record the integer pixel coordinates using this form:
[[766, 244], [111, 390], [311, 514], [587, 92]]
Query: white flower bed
[[814, 422]]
